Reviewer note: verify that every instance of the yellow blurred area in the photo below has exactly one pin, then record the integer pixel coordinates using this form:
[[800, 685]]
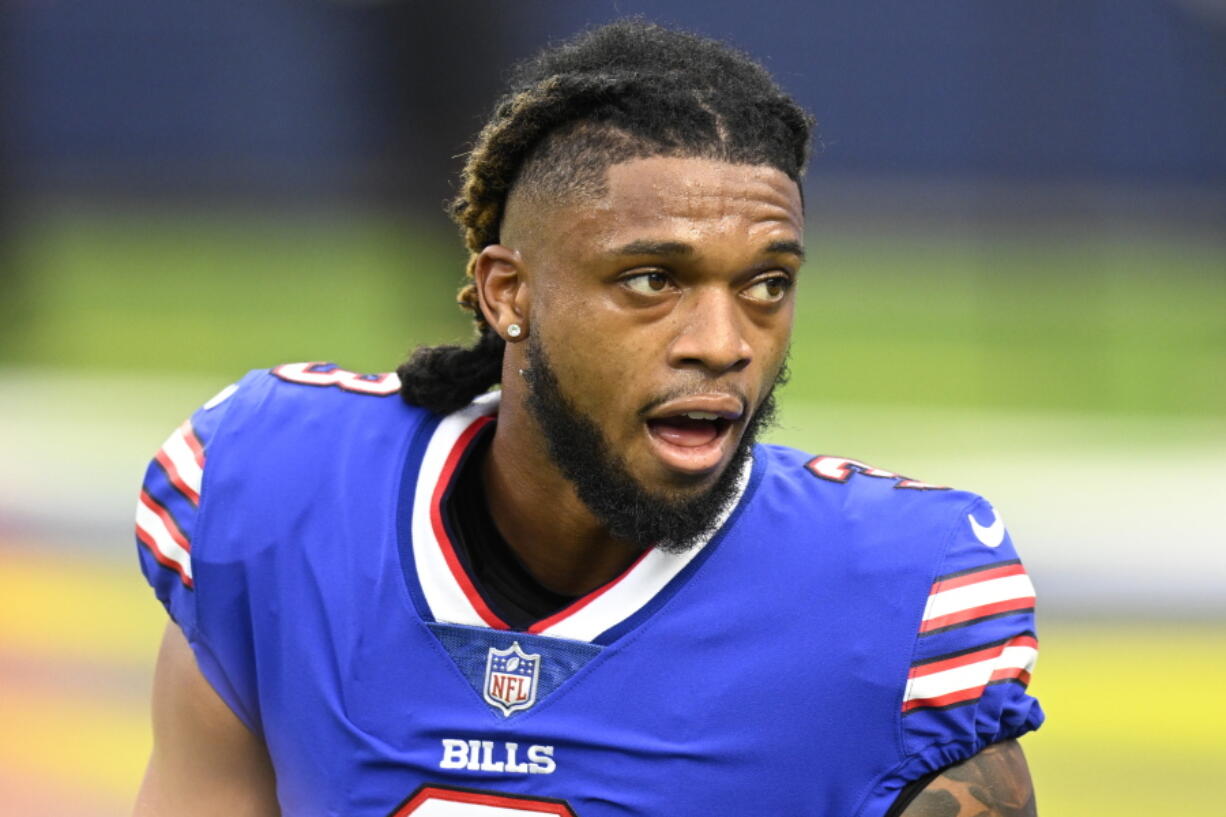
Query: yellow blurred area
[[96, 746], [77, 643], [87, 611], [1135, 719], [1135, 710]]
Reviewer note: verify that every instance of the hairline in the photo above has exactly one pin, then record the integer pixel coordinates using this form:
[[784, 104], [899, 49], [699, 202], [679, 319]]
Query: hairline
[[549, 199]]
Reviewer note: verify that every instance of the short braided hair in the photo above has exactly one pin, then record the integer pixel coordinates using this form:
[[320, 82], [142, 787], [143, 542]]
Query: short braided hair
[[627, 90]]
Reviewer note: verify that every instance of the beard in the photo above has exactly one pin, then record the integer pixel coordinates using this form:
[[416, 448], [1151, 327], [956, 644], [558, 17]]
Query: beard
[[670, 522]]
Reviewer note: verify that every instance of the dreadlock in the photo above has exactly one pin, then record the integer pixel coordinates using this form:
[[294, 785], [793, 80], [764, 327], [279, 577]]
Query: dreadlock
[[627, 90]]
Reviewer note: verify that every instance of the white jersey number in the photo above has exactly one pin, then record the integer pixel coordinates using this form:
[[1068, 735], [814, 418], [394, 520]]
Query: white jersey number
[[328, 374]]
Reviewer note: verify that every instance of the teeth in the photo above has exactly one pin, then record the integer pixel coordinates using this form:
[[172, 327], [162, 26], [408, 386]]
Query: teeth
[[701, 415]]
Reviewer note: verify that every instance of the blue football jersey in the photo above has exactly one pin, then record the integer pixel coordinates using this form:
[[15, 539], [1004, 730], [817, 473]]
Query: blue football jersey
[[843, 631]]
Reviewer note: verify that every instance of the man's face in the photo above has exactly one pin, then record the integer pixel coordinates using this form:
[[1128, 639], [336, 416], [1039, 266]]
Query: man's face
[[663, 311]]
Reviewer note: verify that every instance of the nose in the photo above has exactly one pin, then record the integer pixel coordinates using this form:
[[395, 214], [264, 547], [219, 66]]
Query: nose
[[711, 334]]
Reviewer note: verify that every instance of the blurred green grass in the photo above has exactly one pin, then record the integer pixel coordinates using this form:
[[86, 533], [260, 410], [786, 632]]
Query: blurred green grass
[[223, 294], [1119, 324], [1099, 324]]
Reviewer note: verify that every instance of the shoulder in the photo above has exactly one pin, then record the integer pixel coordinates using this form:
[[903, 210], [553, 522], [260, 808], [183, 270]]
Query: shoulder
[[299, 409], [300, 392], [936, 571], [948, 545], [869, 506], [297, 433], [932, 574], [286, 426], [252, 487]]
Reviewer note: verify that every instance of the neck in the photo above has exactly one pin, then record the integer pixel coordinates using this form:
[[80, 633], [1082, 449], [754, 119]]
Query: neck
[[539, 514]]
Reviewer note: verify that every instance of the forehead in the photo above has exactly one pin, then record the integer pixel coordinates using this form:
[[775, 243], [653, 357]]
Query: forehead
[[704, 202]]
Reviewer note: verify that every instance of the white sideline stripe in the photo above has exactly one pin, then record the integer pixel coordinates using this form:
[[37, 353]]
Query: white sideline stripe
[[643, 583], [970, 676], [184, 461], [443, 593], [155, 528], [1004, 588]]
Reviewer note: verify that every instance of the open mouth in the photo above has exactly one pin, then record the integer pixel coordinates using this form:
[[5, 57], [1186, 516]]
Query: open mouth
[[689, 430], [692, 440]]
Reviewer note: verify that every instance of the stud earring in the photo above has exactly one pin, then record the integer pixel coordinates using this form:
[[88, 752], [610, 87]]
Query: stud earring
[[514, 331]]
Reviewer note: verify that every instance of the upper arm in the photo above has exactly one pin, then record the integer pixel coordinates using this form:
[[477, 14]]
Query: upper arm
[[205, 761], [965, 700], [994, 783]]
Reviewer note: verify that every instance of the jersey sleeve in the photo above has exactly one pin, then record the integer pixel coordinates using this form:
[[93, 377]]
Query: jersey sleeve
[[975, 649], [169, 520]]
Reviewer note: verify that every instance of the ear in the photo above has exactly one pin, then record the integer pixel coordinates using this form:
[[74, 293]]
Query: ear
[[502, 288]]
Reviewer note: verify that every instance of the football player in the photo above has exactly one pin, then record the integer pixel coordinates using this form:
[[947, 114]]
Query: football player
[[588, 592]]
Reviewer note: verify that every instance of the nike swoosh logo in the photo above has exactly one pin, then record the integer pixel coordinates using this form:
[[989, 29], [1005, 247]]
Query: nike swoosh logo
[[993, 534]]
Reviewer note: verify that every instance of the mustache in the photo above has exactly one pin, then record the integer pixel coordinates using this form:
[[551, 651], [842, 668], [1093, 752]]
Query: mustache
[[782, 376], [691, 391]]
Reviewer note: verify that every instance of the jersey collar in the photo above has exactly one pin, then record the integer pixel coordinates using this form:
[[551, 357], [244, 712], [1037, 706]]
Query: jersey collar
[[447, 589]]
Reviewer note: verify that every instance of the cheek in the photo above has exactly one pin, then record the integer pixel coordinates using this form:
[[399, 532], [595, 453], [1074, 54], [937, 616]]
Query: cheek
[[606, 368], [596, 340], [602, 374], [775, 337], [580, 357]]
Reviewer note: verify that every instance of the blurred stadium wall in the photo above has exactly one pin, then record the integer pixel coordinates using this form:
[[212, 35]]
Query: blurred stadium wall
[[1018, 286]]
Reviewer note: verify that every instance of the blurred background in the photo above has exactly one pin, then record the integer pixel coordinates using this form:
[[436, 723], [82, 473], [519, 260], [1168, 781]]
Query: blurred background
[[1017, 285]]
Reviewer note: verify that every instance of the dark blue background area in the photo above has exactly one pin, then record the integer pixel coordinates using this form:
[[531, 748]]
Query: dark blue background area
[[308, 94]]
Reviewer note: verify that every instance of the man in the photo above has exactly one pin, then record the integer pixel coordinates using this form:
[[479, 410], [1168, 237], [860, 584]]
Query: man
[[588, 593]]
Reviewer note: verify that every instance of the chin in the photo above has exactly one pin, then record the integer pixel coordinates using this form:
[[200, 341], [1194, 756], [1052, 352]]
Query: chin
[[671, 483], [661, 488]]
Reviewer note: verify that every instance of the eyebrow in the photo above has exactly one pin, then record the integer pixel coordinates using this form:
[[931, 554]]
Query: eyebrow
[[787, 247], [680, 248], [649, 247]]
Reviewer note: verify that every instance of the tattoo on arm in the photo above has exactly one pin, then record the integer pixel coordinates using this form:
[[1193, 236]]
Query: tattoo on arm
[[993, 783]]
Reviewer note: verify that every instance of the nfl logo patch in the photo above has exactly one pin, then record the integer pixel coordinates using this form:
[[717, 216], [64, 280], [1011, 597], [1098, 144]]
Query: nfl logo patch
[[510, 678]]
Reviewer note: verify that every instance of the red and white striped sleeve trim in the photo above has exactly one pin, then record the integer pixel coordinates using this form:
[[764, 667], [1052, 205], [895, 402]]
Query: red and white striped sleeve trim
[[157, 530], [968, 596], [182, 458], [961, 677]]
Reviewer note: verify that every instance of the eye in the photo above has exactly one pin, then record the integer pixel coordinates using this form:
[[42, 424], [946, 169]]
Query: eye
[[647, 283], [769, 290]]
